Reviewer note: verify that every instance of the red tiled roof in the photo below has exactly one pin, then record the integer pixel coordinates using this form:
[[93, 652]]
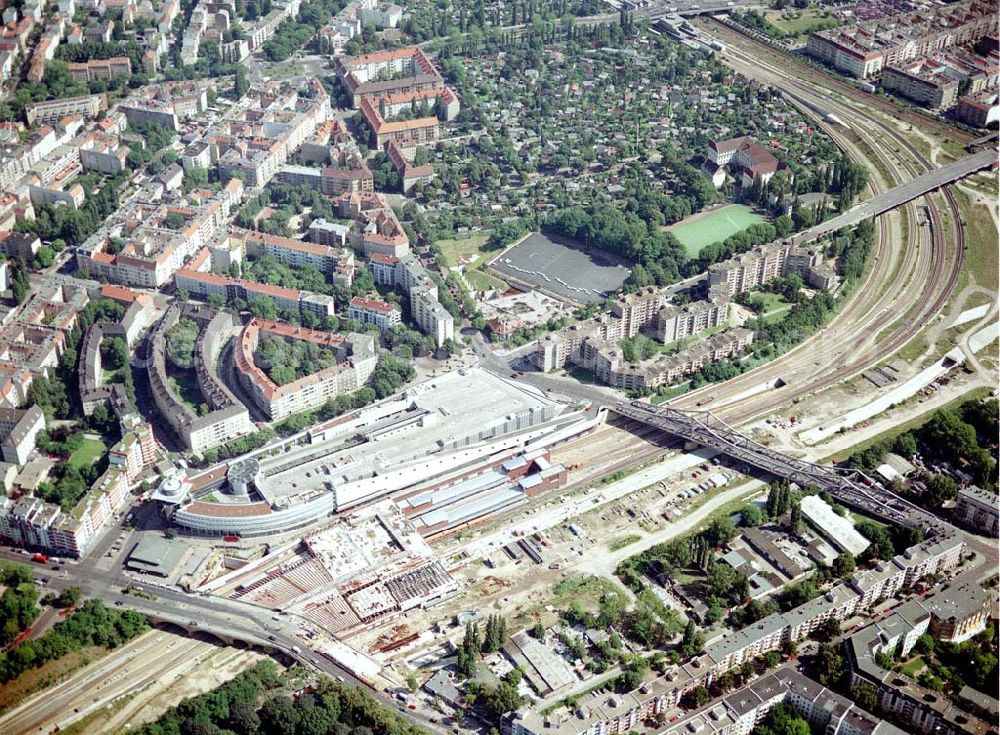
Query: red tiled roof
[[372, 305]]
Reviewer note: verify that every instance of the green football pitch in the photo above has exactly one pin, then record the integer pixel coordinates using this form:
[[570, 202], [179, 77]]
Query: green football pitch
[[699, 230]]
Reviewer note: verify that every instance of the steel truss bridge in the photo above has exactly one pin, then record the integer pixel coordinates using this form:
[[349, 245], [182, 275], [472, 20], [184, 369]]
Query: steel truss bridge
[[850, 487]]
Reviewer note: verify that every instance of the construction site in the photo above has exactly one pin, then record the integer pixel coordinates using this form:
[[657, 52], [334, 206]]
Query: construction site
[[364, 567], [383, 574]]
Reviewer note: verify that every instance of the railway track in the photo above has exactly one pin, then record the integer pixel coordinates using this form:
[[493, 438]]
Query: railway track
[[929, 273], [831, 81]]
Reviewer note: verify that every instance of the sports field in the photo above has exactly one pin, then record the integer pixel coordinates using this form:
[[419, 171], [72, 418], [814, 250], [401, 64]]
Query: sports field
[[704, 228]]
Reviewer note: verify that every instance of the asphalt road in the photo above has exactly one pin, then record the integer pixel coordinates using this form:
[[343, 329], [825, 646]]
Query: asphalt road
[[224, 618], [902, 194]]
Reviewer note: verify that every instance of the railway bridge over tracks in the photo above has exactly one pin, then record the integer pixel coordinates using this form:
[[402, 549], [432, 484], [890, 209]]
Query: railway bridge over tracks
[[852, 488]]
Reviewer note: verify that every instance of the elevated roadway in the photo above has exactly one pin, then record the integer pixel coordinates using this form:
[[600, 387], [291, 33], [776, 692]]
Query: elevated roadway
[[657, 10], [916, 262], [902, 193]]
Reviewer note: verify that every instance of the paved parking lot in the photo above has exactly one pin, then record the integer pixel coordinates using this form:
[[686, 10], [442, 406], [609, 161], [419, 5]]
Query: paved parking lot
[[558, 267]]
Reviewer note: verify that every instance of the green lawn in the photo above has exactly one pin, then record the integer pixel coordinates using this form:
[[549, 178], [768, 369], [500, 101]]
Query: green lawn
[[87, 453], [668, 392], [981, 256], [285, 69], [912, 667], [484, 281], [584, 589], [775, 306], [463, 249], [111, 376], [807, 22], [185, 385], [621, 543], [699, 230]]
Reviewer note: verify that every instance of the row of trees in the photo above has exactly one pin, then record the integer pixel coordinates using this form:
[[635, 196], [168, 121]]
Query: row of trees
[[73, 226], [439, 21], [495, 700], [658, 255], [20, 285], [257, 702], [474, 643], [751, 237], [19, 602], [293, 34], [92, 624], [180, 343], [887, 541]]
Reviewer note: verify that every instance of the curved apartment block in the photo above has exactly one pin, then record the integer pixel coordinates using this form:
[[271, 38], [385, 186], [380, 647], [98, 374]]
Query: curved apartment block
[[356, 360], [227, 417]]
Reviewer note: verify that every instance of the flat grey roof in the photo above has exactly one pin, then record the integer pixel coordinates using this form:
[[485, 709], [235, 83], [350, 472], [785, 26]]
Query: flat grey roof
[[571, 272], [156, 554]]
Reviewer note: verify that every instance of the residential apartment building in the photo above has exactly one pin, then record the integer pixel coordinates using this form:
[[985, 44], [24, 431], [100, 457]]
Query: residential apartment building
[[420, 126], [425, 309], [739, 712], [841, 602], [409, 174], [922, 710], [375, 230], [606, 360], [154, 251], [33, 340], [117, 66], [594, 344], [979, 110], [42, 113], [22, 245], [337, 261], [383, 268], [227, 418], [598, 713], [935, 81], [381, 14], [329, 234], [374, 311], [19, 429], [959, 613], [408, 70], [675, 322], [864, 50], [94, 391], [197, 279], [978, 510], [356, 359], [32, 523], [101, 152], [259, 133], [749, 270], [52, 180], [166, 104]]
